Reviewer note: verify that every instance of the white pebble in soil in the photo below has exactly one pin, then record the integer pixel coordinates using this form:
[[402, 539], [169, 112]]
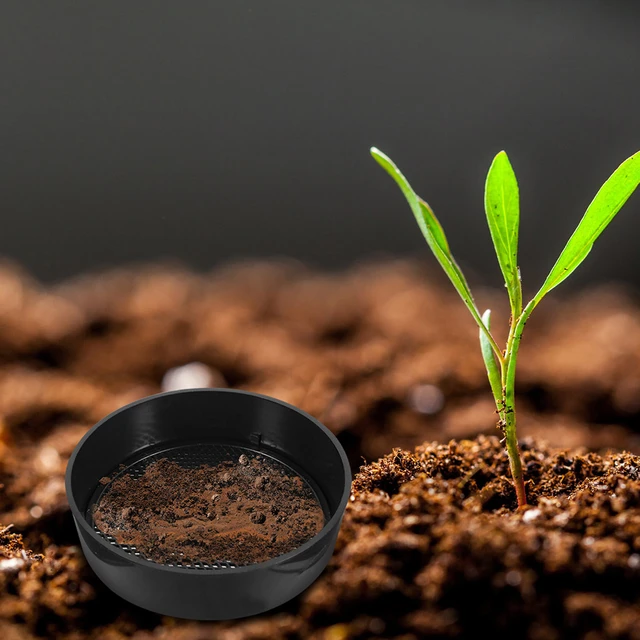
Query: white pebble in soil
[[426, 398], [48, 459], [11, 565], [36, 511], [531, 515], [513, 578], [194, 375]]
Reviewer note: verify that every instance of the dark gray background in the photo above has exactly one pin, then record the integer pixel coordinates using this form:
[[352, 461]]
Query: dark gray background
[[210, 131]]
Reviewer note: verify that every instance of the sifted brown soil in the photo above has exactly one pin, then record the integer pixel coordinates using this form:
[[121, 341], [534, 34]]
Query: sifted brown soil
[[387, 357], [432, 546], [242, 512]]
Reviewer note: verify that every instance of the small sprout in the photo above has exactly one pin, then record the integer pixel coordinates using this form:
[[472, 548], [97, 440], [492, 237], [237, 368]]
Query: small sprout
[[502, 207]]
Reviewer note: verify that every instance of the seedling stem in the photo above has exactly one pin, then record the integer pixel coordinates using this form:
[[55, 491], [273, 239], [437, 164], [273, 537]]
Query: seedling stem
[[502, 207]]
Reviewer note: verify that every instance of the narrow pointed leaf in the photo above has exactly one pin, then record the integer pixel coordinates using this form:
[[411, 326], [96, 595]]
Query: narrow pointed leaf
[[607, 202], [434, 235], [489, 358], [502, 206]]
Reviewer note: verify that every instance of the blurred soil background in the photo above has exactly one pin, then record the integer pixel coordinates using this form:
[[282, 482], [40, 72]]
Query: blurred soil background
[[385, 354]]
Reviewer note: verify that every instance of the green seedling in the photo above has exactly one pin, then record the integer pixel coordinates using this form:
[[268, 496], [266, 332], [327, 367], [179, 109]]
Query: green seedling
[[502, 206]]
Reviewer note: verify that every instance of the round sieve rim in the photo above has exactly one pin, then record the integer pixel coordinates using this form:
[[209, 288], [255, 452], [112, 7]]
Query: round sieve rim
[[316, 539]]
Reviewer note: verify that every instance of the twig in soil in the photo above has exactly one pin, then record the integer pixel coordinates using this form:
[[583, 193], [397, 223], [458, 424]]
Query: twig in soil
[[502, 207]]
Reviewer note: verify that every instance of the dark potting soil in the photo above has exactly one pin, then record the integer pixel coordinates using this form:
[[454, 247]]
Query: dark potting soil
[[242, 512], [432, 545]]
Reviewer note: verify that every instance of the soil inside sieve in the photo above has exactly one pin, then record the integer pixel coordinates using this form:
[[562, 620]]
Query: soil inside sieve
[[241, 512]]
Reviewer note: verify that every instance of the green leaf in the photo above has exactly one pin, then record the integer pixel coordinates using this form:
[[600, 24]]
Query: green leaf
[[490, 360], [607, 202], [502, 206], [435, 237]]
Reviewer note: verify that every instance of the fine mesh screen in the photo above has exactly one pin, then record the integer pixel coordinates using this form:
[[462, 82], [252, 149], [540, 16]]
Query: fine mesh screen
[[189, 456]]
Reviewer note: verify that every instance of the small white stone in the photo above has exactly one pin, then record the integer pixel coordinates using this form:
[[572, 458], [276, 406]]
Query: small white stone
[[376, 626], [513, 578], [634, 561], [561, 519], [36, 512], [48, 459], [11, 564], [194, 375], [531, 515], [426, 398], [588, 541]]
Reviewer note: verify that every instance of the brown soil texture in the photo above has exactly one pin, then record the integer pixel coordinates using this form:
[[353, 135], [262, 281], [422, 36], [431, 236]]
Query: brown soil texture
[[433, 546], [387, 357], [240, 512]]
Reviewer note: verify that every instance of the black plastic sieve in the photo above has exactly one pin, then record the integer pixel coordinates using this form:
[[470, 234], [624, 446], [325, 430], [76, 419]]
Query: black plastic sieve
[[195, 427]]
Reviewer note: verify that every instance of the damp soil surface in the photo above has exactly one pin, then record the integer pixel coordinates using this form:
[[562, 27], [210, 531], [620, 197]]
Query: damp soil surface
[[241, 512], [433, 546], [387, 357]]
